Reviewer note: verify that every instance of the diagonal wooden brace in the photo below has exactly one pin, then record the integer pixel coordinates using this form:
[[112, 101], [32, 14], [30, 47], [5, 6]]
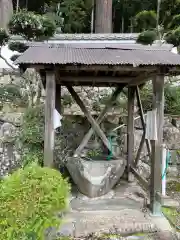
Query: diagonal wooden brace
[[99, 119], [142, 121], [94, 124]]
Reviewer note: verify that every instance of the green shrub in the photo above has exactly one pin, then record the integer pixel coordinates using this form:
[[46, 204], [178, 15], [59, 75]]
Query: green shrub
[[33, 127], [147, 37], [30, 200], [145, 20], [32, 135], [31, 26], [173, 37]]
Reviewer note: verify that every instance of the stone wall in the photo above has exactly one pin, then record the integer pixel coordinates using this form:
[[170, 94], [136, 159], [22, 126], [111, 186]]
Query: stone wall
[[73, 129], [9, 156]]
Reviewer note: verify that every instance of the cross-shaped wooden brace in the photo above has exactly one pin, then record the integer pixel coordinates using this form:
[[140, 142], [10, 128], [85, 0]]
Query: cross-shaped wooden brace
[[94, 123]]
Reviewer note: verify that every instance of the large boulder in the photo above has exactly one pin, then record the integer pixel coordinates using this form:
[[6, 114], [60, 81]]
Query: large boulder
[[95, 178]]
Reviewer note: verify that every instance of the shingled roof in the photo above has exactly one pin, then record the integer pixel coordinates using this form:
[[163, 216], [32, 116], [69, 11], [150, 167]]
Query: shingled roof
[[107, 54]]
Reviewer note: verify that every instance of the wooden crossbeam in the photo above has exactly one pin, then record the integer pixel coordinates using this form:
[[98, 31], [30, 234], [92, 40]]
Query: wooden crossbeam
[[139, 150], [94, 124], [99, 119]]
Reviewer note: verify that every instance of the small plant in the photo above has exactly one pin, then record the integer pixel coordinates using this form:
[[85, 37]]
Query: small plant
[[147, 37], [96, 107], [32, 134], [94, 153], [67, 100], [30, 200], [4, 37]]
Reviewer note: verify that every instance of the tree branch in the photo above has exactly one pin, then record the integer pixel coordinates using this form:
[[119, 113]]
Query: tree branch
[[6, 61]]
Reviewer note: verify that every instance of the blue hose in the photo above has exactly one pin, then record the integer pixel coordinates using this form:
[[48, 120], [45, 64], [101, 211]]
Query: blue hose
[[168, 156], [110, 146]]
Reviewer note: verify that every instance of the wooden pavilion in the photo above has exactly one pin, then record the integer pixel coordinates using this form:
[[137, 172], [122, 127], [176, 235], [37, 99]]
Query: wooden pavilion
[[105, 64]]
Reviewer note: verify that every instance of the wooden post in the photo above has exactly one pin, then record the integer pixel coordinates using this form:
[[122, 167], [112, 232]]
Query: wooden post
[[58, 98], [130, 130], [49, 119], [156, 146], [141, 112]]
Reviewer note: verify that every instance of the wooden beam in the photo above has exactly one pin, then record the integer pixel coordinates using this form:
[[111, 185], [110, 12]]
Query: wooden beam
[[139, 149], [100, 79], [128, 68], [143, 182], [49, 119], [99, 119], [130, 129], [94, 124], [136, 80], [156, 146], [141, 112]]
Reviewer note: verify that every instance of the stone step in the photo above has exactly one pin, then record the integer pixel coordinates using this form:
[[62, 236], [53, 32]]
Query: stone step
[[105, 204], [125, 221]]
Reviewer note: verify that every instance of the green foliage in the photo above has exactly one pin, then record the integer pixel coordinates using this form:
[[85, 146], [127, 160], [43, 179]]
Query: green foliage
[[67, 100], [172, 99], [77, 15], [37, 6], [31, 26], [33, 126], [30, 200], [168, 10], [32, 134], [4, 37], [175, 22], [146, 97], [94, 153], [173, 37], [145, 20], [10, 93], [17, 46], [147, 37], [55, 12]]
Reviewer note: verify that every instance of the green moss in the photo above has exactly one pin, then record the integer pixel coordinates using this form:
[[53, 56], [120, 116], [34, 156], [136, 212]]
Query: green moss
[[172, 215], [173, 186], [140, 234]]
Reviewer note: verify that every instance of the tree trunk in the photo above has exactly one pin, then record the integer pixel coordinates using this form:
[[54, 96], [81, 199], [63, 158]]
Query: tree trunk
[[6, 12], [103, 16]]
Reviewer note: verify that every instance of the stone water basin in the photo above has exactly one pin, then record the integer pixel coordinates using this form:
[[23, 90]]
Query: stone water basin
[[95, 178]]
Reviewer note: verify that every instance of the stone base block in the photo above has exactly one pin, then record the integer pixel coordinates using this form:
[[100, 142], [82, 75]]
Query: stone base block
[[95, 178]]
